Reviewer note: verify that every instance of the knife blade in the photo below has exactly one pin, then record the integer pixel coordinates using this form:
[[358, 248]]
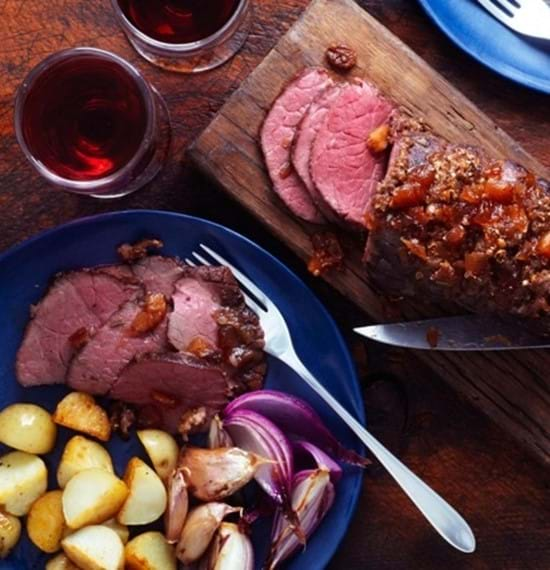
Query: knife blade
[[462, 333]]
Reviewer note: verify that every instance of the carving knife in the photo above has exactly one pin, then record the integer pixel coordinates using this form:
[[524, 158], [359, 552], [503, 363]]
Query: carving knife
[[462, 333]]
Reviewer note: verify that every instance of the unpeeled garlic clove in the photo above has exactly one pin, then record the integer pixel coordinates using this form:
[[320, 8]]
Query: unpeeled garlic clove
[[312, 497], [217, 436], [178, 506], [213, 474], [230, 550], [199, 529]]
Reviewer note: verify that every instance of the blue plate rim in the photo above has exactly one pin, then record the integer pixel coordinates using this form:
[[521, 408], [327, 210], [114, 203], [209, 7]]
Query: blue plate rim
[[355, 389], [493, 64]]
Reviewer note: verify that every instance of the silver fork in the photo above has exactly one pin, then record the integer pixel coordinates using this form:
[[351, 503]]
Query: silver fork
[[528, 17], [278, 343]]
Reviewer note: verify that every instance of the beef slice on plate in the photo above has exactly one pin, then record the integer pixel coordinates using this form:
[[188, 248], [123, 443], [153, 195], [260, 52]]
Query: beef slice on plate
[[76, 306]]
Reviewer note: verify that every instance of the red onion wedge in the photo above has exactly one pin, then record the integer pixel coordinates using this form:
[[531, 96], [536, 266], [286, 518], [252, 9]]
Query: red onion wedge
[[256, 434], [312, 497], [297, 418], [305, 450]]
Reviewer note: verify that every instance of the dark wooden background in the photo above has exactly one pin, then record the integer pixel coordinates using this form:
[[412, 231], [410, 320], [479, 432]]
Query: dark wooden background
[[502, 492]]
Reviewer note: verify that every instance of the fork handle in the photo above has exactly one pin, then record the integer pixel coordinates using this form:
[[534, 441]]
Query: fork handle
[[444, 518]]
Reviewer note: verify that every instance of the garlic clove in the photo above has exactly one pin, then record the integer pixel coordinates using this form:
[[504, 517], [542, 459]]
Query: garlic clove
[[312, 497], [214, 474], [199, 529], [230, 550], [217, 436], [178, 506]]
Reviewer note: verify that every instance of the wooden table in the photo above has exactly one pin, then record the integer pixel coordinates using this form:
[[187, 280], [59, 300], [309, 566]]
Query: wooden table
[[501, 491]]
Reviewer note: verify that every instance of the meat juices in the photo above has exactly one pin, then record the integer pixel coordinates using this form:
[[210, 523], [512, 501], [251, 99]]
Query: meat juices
[[277, 136]]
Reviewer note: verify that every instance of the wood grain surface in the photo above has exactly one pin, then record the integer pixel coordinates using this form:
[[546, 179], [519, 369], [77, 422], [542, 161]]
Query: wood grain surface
[[513, 389], [501, 491]]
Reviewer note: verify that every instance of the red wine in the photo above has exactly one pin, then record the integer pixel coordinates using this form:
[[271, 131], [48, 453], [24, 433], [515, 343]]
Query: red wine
[[178, 21], [84, 118]]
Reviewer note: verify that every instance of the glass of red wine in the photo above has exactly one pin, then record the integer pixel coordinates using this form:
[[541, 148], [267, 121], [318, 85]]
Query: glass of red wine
[[185, 35], [89, 123]]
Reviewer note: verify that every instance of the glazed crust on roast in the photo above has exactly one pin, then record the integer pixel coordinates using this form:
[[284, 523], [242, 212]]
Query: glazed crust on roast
[[451, 223]]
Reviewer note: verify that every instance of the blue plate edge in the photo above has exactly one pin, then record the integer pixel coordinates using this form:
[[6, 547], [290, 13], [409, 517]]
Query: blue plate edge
[[499, 68], [358, 409]]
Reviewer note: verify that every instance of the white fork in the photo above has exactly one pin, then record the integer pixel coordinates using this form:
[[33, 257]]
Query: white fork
[[528, 17], [278, 342]]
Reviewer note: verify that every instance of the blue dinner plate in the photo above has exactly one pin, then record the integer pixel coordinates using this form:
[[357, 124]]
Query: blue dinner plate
[[470, 26], [27, 270]]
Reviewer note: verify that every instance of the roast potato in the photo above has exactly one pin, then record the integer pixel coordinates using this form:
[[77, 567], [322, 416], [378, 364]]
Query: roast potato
[[46, 523], [23, 478], [92, 496], [81, 453], [147, 498], [120, 529], [61, 562], [95, 548], [10, 531], [79, 412], [149, 551], [27, 427], [162, 449]]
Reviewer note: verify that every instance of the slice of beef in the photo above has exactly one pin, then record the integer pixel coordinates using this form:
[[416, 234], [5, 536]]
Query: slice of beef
[[303, 141], [211, 319], [77, 304], [199, 294], [277, 136], [343, 168], [452, 224], [173, 384], [158, 274], [98, 365]]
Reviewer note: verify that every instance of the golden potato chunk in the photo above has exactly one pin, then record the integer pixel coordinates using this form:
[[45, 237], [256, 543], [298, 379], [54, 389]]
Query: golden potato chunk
[[46, 523], [79, 412], [149, 551], [81, 453], [92, 496], [28, 428]]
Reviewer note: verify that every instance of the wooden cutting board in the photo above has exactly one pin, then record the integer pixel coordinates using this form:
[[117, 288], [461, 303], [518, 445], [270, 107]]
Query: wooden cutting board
[[512, 388]]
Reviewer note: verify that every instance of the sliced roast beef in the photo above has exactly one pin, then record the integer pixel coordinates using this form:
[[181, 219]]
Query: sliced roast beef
[[277, 136], [199, 294], [76, 306], [98, 365], [343, 168], [173, 384], [211, 319], [451, 223], [158, 274], [303, 141]]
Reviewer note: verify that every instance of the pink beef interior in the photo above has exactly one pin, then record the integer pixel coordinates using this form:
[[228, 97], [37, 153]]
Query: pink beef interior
[[158, 274], [98, 365], [303, 142], [195, 303], [181, 376], [343, 169], [277, 136], [78, 300]]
